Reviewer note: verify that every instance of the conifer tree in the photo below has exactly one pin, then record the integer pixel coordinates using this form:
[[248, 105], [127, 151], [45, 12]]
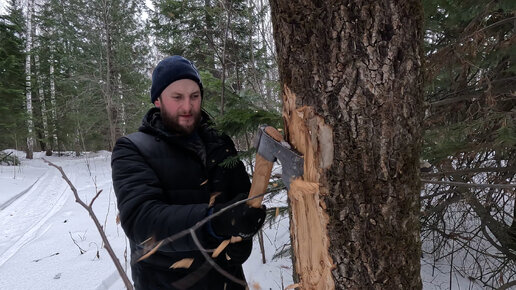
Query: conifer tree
[[12, 77], [470, 139]]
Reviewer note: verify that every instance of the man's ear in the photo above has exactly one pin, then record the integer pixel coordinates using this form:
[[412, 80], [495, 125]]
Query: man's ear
[[157, 103]]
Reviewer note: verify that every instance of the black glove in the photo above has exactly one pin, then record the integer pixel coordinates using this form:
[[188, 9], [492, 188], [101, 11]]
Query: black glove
[[238, 252], [241, 220]]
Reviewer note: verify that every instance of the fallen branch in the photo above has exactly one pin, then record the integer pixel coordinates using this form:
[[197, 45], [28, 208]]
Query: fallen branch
[[89, 208]]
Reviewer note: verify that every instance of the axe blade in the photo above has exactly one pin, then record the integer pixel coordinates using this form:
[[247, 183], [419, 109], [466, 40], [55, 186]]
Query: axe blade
[[270, 149]]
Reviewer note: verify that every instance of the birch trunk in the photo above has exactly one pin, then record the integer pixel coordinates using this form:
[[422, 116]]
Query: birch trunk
[[28, 87], [351, 77], [123, 121]]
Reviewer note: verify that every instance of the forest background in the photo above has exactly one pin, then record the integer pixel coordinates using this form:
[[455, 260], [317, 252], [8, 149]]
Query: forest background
[[75, 76]]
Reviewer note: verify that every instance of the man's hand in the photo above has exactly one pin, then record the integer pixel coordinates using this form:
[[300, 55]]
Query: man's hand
[[237, 253], [241, 220]]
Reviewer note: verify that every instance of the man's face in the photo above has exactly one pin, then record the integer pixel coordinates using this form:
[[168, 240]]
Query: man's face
[[180, 106]]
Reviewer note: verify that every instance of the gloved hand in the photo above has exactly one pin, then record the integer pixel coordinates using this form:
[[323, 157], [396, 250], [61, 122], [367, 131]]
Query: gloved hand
[[241, 220], [238, 252]]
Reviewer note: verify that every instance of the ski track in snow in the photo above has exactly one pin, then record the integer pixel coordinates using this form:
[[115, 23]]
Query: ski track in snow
[[23, 218], [17, 196]]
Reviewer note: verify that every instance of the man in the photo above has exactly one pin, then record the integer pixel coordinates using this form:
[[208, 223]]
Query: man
[[164, 176]]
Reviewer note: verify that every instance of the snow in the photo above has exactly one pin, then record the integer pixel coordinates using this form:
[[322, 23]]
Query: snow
[[48, 241]]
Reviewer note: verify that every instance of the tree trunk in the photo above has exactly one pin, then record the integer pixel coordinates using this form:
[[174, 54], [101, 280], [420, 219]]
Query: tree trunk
[[123, 120], [110, 88], [53, 102], [351, 77], [41, 96], [28, 87]]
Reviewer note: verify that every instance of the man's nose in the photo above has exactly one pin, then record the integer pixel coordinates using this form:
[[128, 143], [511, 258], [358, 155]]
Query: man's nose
[[189, 103]]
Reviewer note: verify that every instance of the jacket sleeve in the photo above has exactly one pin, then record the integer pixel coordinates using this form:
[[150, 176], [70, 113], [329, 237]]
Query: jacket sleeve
[[143, 212], [232, 179]]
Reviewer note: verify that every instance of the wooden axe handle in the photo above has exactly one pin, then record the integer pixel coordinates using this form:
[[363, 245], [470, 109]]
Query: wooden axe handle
[[262, 172], [261, 176]]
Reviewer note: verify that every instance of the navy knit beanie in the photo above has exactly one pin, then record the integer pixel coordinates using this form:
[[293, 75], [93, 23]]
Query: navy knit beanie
[[171, 69]]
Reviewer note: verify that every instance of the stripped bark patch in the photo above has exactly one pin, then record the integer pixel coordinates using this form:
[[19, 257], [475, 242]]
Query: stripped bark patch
[[312, 137]]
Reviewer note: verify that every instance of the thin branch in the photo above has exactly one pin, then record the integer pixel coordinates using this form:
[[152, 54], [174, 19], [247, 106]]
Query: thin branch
[[156, 244], [507, 285], [80, 249], [95, 197], [469, 170], [210, 260], [463, 184], [110, 251]]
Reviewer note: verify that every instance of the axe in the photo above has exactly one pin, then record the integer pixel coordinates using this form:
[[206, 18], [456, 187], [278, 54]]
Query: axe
[[270, 147]]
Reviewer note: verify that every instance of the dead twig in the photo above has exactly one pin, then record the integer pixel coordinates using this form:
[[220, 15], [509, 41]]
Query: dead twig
[[150, 246], [80, 249], [210, 260], [89, 208]]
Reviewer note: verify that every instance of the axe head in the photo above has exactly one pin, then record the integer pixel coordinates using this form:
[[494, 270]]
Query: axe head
[[271, 149]]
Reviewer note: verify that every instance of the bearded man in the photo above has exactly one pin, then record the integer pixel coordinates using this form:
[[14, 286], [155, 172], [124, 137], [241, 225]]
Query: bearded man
[[164, 176]]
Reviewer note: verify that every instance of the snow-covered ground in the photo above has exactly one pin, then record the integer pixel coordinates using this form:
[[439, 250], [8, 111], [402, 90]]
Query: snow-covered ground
[[43, 230], [48, 241]]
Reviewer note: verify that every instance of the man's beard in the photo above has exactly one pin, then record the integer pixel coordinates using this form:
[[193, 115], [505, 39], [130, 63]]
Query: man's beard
[[171, 123]]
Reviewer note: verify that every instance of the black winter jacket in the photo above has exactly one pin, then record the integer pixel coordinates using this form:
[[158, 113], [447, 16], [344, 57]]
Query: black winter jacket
[[163, 184]]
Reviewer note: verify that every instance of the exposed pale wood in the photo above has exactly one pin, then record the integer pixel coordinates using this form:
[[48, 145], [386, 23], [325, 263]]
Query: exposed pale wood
[[293, 286], [312, 138]]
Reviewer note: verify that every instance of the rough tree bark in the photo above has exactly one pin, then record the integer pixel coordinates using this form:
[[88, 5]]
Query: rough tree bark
[[41, 95], [53, 101], [110, 81], [28, 82], [351, 76]]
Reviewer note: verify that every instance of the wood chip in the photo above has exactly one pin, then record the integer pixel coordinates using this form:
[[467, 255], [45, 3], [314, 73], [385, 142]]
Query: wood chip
[[220, 248], [212, 198], [184, 263], [149, 253]]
